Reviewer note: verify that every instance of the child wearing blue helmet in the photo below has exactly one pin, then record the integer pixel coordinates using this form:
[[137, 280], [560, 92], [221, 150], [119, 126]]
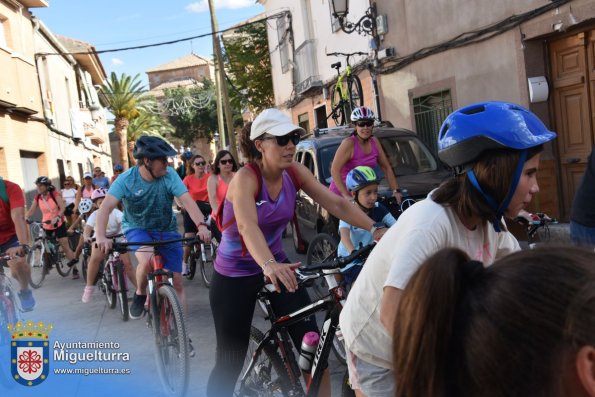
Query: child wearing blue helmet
[[494, 150], [363, 185]]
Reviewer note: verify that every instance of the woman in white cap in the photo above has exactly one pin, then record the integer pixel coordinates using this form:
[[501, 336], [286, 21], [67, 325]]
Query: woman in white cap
[[259, 203]]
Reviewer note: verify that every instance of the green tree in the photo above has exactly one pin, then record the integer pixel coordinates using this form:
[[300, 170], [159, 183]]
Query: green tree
[[192, 111], [249, 67], [125, 98]]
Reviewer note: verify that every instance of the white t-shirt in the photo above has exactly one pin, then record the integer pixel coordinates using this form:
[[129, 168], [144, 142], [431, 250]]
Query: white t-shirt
[[420, 231], [114, 222], [68, 195]]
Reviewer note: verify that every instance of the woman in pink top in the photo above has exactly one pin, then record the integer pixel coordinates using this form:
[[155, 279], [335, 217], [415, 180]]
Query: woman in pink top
[[362, 148], [196, 183], [224, 168], [85, 191]]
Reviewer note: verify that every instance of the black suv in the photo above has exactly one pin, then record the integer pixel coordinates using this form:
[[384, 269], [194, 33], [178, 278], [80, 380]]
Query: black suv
[[417, 170]]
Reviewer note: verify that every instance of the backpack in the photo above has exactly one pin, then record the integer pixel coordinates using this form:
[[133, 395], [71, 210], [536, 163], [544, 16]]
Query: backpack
[[51, 194], [258, 175], [3, 193]]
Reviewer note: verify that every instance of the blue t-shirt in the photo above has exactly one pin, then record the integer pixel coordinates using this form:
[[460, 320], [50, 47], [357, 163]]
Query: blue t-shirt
[[102, 182], [361, 236], [148, 205]]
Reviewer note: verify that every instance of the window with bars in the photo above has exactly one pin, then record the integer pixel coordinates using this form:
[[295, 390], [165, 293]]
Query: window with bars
[[430, 111]]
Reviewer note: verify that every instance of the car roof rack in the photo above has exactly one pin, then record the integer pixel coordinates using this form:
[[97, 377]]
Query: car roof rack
[[323, 131]]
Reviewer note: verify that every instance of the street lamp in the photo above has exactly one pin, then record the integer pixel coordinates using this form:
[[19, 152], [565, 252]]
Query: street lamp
[[216, 139], [365, 25]]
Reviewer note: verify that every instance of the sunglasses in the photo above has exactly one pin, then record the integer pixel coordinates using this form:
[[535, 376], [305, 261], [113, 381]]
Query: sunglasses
[[200, 163], [227, 161], [364, 123], [162, 159], [284, 140]]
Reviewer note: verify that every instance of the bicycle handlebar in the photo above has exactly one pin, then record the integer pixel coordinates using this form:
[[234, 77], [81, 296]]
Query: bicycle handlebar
[[116, 246], [338, 262], [336, 54]]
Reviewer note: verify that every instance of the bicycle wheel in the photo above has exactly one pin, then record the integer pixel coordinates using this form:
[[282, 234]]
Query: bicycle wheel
[[321, 249], [268, 376], [108, 287], [58, 259], [207, 266], [38, 266], [192, 259], [122, 292], [172, 342], [356, 94], [338, 107]]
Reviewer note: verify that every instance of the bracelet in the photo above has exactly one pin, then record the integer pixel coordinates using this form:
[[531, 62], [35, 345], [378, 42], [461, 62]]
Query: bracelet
[[202, 224], [397, 190], [264, 265]]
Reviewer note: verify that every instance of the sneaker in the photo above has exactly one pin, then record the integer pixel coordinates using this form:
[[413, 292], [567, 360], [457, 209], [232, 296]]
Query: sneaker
[[75, 274], [184, 269], [88, 294], [137, 308], [191, 351], [27, 300]]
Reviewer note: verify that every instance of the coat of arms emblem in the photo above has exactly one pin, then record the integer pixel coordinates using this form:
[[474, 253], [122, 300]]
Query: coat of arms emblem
[[29, 347]]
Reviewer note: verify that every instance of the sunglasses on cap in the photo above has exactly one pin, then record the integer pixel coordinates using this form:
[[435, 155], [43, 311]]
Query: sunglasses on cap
[[284, 139], [226, 161], [369, 123], [200, 163]]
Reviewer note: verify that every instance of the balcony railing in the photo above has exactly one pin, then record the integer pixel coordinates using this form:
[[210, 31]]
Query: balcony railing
[[306, 69]]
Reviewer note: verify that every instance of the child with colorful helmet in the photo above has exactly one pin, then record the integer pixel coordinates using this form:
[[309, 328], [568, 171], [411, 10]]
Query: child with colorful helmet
[[114, 228], [363, 185], [494, 149]]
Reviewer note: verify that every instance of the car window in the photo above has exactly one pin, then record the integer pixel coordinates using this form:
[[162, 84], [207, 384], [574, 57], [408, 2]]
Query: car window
[[309, 162], [298, 157], [408, 155], [326, 158]]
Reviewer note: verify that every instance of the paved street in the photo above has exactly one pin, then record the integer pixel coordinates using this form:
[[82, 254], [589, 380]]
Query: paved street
[[59, 301]]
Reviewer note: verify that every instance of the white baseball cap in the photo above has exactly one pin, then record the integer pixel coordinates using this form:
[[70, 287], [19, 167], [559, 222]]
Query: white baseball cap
[[273, 122], [87, 175]]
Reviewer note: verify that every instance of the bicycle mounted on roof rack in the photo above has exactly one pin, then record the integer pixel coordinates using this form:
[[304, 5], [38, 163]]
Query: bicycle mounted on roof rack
[[347, 93]]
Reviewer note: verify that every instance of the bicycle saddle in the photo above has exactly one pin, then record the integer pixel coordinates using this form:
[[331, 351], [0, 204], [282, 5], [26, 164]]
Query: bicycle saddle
[[336, 65]]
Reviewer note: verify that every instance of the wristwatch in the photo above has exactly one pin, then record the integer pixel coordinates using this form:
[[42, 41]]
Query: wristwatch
[[376, 226]]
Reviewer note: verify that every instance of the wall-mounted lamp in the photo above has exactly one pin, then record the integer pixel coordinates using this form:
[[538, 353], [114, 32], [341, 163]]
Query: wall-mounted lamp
[[365, 25]]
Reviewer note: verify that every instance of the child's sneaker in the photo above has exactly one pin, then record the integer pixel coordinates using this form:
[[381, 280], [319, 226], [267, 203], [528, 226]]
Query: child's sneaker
[[27, 300], [75, 274], [88, 294]]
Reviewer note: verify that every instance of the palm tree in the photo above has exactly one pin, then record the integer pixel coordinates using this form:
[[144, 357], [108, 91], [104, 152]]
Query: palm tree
[[147, 123], [124, 95]]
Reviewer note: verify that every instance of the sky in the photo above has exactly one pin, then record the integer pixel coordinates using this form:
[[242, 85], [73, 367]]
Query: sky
[[110, 24]]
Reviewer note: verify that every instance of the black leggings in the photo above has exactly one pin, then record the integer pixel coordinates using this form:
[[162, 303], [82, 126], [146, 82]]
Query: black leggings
[[232, 304]]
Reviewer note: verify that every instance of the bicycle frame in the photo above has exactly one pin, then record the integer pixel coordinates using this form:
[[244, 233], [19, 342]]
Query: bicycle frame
[[279, 336], [343, 89]]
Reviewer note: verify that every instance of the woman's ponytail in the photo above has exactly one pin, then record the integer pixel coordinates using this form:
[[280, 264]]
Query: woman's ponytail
[[424, 337]]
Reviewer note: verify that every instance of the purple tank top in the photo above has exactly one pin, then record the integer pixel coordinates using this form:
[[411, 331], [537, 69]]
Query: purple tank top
[[273, 216], [358, 158]]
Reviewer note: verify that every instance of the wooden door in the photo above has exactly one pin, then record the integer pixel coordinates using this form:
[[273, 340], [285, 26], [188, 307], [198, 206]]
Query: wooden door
[[573, 74]]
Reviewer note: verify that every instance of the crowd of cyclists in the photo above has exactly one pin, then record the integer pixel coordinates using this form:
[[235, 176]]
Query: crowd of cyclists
[[437, 307]]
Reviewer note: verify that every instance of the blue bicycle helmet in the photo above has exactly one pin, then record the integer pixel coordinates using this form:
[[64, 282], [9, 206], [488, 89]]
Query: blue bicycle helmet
[[473, 129], [152, 147], [468, 132], [360, 177], [118, 167], [187, 155]]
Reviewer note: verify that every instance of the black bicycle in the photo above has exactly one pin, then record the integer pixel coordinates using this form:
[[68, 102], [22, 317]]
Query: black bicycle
[[273, 369], [202, 255], [536, 226]]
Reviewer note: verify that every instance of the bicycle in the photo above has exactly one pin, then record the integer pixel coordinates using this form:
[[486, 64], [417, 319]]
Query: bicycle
[[204, 255], [44, 253], [166, 318], [113, 282], [532, 224], [273, 368], [347, 93]]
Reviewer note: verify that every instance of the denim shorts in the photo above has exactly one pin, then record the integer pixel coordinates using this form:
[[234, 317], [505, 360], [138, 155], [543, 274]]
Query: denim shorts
[[372, 380], [172, 253], [12, 242]]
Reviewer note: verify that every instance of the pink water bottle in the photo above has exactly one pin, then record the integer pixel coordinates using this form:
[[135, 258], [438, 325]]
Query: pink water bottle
[[309, 343]]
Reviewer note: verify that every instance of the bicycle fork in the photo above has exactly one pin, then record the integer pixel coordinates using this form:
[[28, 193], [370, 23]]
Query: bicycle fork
[[155, 279]]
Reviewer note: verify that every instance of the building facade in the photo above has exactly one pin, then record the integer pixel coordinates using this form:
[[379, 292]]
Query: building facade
[[51, 121], [444, 55]]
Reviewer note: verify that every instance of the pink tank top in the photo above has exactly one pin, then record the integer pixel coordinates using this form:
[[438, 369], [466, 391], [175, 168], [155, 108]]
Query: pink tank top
[[220, 193], [358, 158]]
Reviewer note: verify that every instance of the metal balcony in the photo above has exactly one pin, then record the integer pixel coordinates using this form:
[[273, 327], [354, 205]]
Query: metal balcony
[[306, 69]]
